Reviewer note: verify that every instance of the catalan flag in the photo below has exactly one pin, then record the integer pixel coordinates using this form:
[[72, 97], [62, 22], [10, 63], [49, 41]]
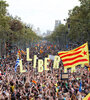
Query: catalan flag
[[19, 53], [34, 81], [75, 57], [23, 52], [87, 97], [41, 51]]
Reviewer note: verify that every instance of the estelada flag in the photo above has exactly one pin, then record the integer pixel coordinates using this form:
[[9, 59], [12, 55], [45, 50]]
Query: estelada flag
[[34, 81], [75, 57], [41, 51], [23, 52], [87, 97], [19, 53]]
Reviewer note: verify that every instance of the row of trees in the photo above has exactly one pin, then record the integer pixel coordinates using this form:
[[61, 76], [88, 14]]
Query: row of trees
[[77, 27], [14, 31]]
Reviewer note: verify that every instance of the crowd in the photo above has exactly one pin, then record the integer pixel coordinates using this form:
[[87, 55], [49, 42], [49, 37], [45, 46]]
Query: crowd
[[47, 85]]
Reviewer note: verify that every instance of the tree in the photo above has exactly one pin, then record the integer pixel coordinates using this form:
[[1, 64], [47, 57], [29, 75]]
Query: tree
[[4, 27], [80, 23], [59, 35], [13, 31], [77, 26], [3, 6]]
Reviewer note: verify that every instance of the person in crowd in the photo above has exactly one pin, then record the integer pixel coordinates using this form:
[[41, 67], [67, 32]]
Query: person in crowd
[[47, 85]]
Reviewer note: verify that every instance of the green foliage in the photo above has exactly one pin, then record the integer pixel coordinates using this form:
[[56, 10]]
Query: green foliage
[[3, 9], [77, 25], [80, 23], [15, 25], [13, 30], [59, 35]]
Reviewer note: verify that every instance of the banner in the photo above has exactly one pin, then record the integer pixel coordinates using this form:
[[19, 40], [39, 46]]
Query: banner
[[64, 76]]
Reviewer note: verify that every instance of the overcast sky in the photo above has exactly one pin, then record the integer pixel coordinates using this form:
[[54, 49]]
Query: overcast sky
[[41, 13]]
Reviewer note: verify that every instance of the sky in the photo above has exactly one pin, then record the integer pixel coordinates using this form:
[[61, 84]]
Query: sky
[[41, 13]]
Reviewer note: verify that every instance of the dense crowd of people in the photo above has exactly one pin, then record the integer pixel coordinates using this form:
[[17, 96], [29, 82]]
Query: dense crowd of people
[[47, 85]]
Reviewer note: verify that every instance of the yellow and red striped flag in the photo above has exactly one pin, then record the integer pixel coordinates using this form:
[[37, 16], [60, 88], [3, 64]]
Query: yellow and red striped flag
[[23, 52], [34, 81], [19, 53], [87, 97], [41, 51], [75, 57]]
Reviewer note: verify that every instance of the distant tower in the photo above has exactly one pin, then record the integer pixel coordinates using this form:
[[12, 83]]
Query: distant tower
[[57, 23], [38, 31], [49, 32]]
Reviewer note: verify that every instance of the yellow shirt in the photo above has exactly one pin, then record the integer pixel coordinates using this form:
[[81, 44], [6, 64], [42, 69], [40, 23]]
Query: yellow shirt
[[12, 88]]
